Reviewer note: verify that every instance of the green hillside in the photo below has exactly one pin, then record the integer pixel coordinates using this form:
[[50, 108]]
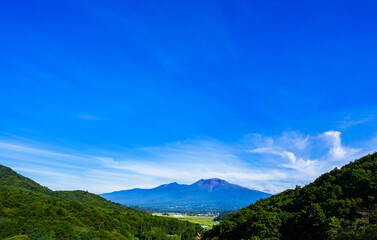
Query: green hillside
[[10, 180], [30, 211], [340, 204]]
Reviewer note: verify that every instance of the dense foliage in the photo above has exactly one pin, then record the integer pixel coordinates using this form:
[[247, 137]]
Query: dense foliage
[[223, 215], [337, 205], [30, 211], [11, 179]]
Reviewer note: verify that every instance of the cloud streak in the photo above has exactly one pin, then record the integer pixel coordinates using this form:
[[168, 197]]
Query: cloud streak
[[265, 163]]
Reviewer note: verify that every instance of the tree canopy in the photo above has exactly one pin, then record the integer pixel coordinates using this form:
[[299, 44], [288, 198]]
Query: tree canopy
[[30, 211], [340, 204]]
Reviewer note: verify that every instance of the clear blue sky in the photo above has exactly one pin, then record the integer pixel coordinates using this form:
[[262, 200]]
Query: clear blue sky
[[119, 94]]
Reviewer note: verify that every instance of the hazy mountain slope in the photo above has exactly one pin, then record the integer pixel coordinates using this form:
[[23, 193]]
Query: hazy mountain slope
[[337, 205], [211, 194], [29, 213]]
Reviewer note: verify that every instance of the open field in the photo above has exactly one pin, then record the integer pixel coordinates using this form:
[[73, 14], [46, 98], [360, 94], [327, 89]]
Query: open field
[[205, 221]]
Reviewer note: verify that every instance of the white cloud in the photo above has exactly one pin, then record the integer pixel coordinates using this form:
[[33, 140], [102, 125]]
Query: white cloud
[[281, 153], [271, 164], [295, 152], [306, 167], [337, 151]]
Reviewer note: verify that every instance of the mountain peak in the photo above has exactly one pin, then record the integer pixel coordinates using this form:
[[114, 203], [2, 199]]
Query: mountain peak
[[169, 185], [212, 180], [211, 183]]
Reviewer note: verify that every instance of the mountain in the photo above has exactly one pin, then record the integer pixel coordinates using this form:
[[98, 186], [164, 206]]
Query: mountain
[[31, 211], [204, 195], [341, 204]]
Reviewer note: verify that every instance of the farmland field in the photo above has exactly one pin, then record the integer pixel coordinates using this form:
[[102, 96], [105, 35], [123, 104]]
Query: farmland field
[[202, 220]]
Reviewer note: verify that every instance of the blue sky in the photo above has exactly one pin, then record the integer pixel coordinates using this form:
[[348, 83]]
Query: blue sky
[[110, 95]]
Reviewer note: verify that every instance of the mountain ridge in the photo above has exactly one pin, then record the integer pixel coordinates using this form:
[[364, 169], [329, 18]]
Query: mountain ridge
[[212, 194], [200, 182]]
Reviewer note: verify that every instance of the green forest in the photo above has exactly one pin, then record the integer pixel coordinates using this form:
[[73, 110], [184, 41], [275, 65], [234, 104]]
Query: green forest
[[340, 204], [31, 211]]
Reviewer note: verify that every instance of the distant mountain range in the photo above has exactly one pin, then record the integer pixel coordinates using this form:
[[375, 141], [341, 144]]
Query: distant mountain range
[[204, 195]]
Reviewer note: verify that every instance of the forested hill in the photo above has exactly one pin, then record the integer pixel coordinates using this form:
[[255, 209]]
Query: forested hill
[[31, 211], [10, 180], [340, 204]]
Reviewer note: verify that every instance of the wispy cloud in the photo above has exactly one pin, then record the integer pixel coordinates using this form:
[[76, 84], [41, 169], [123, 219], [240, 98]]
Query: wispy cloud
[[346, 123], [189, 161], [265, 163], [34, 151], [302, 165]]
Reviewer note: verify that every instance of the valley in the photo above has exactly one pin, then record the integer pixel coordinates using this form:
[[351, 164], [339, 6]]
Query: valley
[[187, 120], [207, 222]]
